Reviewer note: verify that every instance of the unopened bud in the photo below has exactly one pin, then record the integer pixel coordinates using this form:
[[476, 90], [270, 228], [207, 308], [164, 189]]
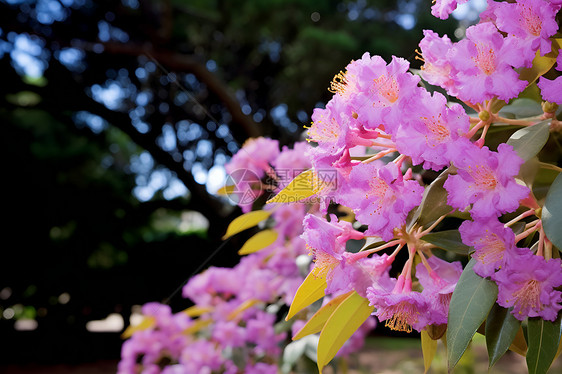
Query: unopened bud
[[548, 107], [484, 115], [355, 115]]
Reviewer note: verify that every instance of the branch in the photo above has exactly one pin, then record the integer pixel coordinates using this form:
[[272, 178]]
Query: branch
[[185, 63]]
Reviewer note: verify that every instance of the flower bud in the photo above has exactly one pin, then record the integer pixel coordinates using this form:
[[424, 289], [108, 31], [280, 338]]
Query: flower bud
[[548, 107], [484, 115]]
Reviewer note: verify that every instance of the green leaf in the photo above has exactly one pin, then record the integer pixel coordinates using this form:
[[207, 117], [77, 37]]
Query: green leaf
[[552, 213], [521, 108], [261, 240], [544, 337], [345, 320], [501, 329], [434, 201], [429, 347], [245, 221], [449, 240], [528, 141], [470, 304]]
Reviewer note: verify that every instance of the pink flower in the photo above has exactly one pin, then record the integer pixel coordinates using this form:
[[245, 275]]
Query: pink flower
[[437, 68], [380, 92], [530, 22], [438, 286], [431, 131], [380, 197], [401, 308], [493, 244], [485, 179], [528, 285], [485, 65], [443, 8]]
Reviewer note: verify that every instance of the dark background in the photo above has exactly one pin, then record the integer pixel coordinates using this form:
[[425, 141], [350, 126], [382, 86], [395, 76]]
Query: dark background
[[117, 119]]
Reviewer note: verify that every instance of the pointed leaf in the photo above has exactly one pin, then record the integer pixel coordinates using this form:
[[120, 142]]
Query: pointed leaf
[[528, 141], [541, 64], [300, 188], [311, 289], [261, 240], [196, 311], [519, 344], [449, 240], [544, 337], [318, 320], [245, 221], [429, 347], [501, 329], [470, 304], [520, 108], [434, 201], [145, 324], [226, 190], [197, 326], [345, 320], [552, 213]]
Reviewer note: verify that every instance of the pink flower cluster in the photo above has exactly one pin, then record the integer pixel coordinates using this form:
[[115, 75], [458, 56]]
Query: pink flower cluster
[[237, 329], [381, 122]]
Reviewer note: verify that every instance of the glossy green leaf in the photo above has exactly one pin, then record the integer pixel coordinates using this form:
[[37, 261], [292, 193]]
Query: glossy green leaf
[[429, 348], [449, 240], [543, 337], [552, 213], [470, 304], [521, 108], [434, 201], [501, 329], [345, 320], [245, 221], [528, 141]]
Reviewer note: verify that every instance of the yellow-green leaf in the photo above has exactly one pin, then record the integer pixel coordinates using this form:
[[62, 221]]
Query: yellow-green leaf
[[311, 289], [242, 307], [318, 320], [305, 184], [258, 242], [196, 311], [345, 320], [145, 324], [245, 221], [226, 190], [541, 64], [429, 347], [197, 326]]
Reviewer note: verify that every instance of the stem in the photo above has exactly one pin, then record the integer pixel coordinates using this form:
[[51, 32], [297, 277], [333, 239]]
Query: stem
[[473, 130], [425, 263], [517, 122], [483, 136], [540, 250], [428, 230], [379, 155], [545, 165], [398, 160], [526, 233], [548, 249], [396, 252], [528, 213], [363, 254], [385, 145]]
